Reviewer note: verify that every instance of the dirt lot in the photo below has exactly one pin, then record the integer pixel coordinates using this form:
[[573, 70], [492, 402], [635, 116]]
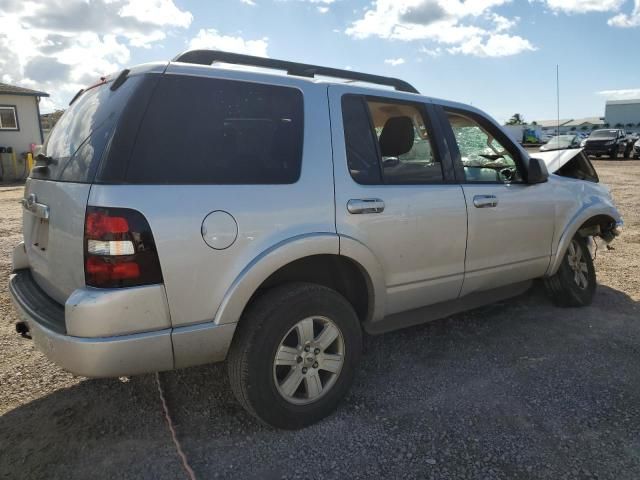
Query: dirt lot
[[516, 390]]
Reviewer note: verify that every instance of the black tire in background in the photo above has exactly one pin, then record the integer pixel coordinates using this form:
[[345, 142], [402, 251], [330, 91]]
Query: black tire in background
[[567, 288], [261, 332]]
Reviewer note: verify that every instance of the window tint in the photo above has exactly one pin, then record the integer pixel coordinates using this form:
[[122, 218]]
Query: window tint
[[80, 137], [212, 131], [483, 157], [403, 154]]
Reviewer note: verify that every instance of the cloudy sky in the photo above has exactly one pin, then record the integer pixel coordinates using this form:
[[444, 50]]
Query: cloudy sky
[[500, 55]]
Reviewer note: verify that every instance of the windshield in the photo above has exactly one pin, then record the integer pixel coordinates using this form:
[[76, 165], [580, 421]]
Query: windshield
[[78, 140], [604, 134]]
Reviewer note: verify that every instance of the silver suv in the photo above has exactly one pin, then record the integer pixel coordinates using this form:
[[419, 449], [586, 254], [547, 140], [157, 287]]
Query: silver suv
[[184, 213]]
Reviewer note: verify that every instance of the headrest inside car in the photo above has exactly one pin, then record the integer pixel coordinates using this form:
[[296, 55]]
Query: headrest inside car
[[397, 136]]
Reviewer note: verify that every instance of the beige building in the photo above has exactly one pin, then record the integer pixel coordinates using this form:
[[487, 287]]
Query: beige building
[[624, 113], [20, 118]]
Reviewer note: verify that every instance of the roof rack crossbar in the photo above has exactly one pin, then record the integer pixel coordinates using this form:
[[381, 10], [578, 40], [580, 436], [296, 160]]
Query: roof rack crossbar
[[208, 57]]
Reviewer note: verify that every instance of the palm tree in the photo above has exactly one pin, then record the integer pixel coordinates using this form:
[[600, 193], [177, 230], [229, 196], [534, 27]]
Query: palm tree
[[619, 125], [516, 119]]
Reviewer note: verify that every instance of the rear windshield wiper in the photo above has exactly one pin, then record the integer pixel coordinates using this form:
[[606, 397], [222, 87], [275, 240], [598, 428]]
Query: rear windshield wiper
[[43, 162]]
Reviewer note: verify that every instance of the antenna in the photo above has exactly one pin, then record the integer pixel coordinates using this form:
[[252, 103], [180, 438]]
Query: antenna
[[558, 95]]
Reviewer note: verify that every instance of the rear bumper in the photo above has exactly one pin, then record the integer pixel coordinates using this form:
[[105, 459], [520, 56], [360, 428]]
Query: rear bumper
[[90, 357], [112, 356]]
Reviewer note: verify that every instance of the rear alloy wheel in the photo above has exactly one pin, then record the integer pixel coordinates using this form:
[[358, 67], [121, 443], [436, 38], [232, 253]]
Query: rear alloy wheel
[[294, 354], [574, 284], [307, 364]]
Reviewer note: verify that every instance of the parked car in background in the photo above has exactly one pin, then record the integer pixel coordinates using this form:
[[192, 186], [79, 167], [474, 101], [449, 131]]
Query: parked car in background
[[636, 149], [313, 211], [608, 141], [561, 142]]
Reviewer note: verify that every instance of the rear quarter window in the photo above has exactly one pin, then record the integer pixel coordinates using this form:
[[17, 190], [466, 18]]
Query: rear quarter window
[[79, 139], [213, 131]]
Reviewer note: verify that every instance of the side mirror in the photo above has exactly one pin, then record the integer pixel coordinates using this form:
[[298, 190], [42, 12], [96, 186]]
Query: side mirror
[[537, 172]]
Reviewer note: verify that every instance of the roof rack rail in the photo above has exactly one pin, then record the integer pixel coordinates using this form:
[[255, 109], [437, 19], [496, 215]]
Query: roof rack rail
[[208, 57]]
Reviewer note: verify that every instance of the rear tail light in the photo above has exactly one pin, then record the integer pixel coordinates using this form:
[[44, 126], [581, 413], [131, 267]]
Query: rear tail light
[[119, 250]]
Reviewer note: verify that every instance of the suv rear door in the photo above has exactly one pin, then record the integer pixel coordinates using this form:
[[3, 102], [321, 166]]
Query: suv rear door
[[57, 190], [396, 194]]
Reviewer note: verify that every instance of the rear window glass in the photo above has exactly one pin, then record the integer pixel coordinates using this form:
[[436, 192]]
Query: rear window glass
[[77, 142], [212, 131]]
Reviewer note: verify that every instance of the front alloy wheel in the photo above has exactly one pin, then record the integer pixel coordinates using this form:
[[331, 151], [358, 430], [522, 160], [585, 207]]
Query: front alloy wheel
[[578, 265], [574, 284]]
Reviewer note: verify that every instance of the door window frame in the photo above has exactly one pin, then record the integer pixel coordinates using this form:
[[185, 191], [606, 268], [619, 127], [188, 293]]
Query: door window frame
[[505, 141], [441, 153]]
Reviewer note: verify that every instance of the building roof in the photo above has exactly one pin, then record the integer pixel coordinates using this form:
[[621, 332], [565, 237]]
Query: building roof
[[552, 123], [6, 89], [624, 102], [589, 120]]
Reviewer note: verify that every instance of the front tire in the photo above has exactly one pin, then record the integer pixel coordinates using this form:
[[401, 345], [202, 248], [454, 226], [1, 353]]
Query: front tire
[[574, 284], [294, 355]]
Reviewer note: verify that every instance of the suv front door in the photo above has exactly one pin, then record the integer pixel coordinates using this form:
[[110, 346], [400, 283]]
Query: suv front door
[[396, 194], [511, 223]]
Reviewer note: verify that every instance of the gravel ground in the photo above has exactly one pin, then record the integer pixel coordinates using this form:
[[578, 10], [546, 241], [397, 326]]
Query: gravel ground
[[519, 389]]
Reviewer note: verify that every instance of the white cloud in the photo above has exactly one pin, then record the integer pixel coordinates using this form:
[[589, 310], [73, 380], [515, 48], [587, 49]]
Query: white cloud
[[583, 6], [431, 52], [621, 20], [468, 27], [394, 61], [248, 2], [498, 45], [157, 12], [211, 39], [60, 46], [627, 21], [623, 94], [323, 9]]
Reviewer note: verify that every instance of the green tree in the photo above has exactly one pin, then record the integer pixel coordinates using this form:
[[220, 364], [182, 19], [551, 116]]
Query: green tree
[[516, 119]]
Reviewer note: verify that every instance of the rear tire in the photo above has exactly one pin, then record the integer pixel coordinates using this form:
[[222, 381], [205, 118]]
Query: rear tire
[[574, 284], [282, 368]]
